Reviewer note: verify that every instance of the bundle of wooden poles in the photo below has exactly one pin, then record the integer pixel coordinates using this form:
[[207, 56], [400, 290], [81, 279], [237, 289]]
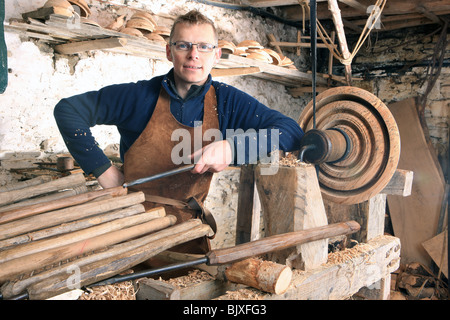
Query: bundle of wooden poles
[[56, 236]]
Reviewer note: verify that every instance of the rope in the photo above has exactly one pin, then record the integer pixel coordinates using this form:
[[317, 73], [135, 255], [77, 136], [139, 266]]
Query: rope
[[370, 24]]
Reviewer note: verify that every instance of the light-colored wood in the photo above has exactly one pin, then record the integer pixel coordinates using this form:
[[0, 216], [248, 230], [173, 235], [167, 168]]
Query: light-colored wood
[[266, 276], [44, 198], [437, 248], [30, 210], [370, 214], [104, 269], [374, 261], [60, 253], [415, 218], [150, 289], [88, 45], [380, 290], [203, 290], [291, 201], [31, 191], [72, 226], [230, 72], [337, 19], [26, 183], [400, 183], [83, 238], [279, 242], [56, 217], [16, 287]]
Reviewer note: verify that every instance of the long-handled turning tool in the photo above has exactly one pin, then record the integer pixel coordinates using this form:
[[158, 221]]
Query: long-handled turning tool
[[247, 250], [159, 175]]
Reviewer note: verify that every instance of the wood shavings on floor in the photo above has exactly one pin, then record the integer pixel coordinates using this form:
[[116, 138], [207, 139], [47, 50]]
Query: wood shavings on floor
[[193, 277], [242, 294], [119, 291]]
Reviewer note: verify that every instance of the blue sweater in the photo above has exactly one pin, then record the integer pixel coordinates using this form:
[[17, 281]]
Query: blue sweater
[[129, 107]]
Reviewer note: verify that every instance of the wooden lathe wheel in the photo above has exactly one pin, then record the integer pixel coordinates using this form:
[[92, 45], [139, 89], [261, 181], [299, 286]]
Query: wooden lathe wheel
[[374, 150]]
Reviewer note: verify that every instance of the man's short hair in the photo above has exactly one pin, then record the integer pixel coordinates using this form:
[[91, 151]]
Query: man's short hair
[[193, 17]]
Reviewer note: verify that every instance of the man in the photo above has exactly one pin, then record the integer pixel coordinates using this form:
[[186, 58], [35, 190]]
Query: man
[[147, 114]]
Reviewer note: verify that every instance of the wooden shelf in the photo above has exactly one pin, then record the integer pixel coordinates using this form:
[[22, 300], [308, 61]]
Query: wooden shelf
[[71, 38]]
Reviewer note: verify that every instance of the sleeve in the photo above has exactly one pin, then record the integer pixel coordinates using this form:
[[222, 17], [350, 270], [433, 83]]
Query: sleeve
[[254, 130], [112, 105]]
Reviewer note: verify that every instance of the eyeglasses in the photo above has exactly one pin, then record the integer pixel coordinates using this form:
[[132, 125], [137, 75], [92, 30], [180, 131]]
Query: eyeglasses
[[186, 46]]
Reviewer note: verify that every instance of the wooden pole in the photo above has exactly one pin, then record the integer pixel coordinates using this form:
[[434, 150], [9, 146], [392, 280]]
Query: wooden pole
[[30, 210], [31, 191], [72, 226], [48, 257], [337, 19], [75, 237], [15, 287], [264, 275], [53, 218], [104, 269]]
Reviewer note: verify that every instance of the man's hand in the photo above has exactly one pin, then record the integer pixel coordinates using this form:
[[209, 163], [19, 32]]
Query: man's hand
[[112, 177], [213, 158]]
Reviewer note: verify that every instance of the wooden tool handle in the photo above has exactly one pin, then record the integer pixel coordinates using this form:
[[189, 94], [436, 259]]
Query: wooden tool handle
[[280, 242]]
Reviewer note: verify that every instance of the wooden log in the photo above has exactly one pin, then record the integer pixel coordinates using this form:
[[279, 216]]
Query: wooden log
[[104, 269], [61, 253], [72, 226], [59, 204], [291, 200], [84, 235], [29, 192], [266, 276], [43, 199], [279, 242], [17, 286], [52, 218], [27, 183]]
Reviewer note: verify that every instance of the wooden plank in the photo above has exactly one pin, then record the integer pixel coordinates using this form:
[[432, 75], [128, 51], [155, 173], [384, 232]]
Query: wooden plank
[[291, 201], [228, 72], [400, 183], [415, 218], [437, 248], [88, 45], [247, 219], [369, 214], [270, 69]]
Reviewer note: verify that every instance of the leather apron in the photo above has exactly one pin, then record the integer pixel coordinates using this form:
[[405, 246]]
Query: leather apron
[[183, 194]]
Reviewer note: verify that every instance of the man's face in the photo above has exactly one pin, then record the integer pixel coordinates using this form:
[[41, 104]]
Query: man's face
[[192, 66]]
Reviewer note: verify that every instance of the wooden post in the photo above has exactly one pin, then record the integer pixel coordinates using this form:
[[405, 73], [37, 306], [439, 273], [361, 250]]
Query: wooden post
[[291, 201], [248, 213]]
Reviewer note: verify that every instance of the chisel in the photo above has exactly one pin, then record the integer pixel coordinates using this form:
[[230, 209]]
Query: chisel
[[159, 175]]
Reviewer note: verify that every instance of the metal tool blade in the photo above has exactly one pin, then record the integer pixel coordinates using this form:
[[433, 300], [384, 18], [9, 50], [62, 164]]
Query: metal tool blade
[[159, 175]]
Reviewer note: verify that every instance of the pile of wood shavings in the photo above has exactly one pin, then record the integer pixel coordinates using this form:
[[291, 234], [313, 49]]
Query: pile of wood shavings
[[289, 160], [243, 294], [119, 291], [348, 253], [193, 277]]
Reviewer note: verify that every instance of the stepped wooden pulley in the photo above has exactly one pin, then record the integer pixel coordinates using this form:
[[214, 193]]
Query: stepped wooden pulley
[[353, 139]]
